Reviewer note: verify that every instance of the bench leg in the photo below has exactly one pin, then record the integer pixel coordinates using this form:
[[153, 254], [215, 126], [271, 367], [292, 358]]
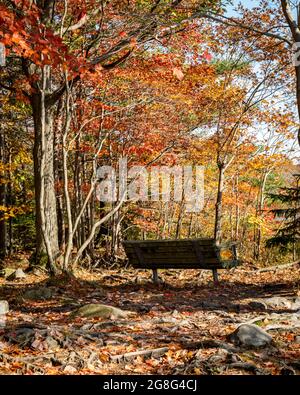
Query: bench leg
[[155, 276], [215, 276]]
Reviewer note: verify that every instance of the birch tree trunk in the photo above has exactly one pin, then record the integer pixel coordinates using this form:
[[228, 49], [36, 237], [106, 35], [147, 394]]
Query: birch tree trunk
[[44, 178], [218, 215]]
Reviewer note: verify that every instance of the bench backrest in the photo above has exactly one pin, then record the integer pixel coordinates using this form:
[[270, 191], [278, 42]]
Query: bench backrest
[[181, 254]]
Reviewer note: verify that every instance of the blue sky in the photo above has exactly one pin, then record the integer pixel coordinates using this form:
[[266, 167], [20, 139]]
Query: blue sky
[[230, 12], [246, 3]]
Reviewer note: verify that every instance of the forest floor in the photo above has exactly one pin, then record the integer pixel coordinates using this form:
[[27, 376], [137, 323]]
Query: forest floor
[[178, 327]]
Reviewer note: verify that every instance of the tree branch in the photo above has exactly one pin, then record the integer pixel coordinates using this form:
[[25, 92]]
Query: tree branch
[[233, 23]]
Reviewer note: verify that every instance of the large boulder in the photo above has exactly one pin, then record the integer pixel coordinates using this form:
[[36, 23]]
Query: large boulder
[[249, 335], [99, 310], [42, 293]]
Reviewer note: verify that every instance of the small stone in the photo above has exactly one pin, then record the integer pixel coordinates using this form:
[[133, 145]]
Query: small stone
[[249, 335], [38, 271], [17, 275], [70, 369], [52, 343], [296, 303], [2, 321], [232, 358], [219, 357], [278, 301], [7, 271], [297, 339], [2, 345], [288, 371], [4, 308]]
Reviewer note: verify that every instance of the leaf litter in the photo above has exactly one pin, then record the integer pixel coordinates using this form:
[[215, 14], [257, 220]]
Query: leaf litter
[[181, 326]]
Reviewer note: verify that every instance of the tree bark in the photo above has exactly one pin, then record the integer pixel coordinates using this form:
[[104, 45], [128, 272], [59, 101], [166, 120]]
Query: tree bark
[[259, 208], [44, 179], [218, 215], [3, 193], [297, 69]]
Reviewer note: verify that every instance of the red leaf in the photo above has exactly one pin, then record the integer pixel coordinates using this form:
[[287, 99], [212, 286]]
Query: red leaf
[[207, 56]]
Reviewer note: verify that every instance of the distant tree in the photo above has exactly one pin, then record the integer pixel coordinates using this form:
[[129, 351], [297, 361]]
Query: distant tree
[[288, 235]]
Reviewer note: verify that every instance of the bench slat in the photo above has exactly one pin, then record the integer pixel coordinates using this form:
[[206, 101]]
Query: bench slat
[[173, 259], [181, 254], [181, 243]]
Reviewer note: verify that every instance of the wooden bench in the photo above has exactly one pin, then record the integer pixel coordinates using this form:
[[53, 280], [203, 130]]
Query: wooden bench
[[181, 254]]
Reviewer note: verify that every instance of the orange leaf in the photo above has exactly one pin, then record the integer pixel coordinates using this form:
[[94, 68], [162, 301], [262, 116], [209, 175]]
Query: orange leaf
[[178, 73]]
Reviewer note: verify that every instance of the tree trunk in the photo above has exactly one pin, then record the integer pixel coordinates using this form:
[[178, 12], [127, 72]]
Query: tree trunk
[[44, 178], [259, 208], [191, 226], [237, 210], [218, 215], [3, 193], [179, 220], [297, 70]]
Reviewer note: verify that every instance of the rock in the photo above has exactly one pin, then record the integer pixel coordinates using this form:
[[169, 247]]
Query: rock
[[292, 303], [279, 301], [2, 321], [297, 339], [219, 357], [7, 272], [17, 275], [233, 358], [22, 336], [141, 280], [287, 371], [51, 343], [99, 310], [70, 369], [296, 303], [2, 345], [257, 305], [38, 294], [4, 308], [39, 271], [250, 335]]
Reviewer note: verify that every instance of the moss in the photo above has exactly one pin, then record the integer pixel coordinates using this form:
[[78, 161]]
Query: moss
[[6, 272], [39, 260]]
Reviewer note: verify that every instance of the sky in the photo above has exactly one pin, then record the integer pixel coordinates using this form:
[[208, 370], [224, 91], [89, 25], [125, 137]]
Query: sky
[[230, 12], [246, 3]]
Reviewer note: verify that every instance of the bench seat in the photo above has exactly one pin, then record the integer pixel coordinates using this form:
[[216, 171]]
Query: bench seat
[[181, 254]]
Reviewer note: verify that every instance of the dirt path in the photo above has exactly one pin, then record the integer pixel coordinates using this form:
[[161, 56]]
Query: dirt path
[[180, 326]]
